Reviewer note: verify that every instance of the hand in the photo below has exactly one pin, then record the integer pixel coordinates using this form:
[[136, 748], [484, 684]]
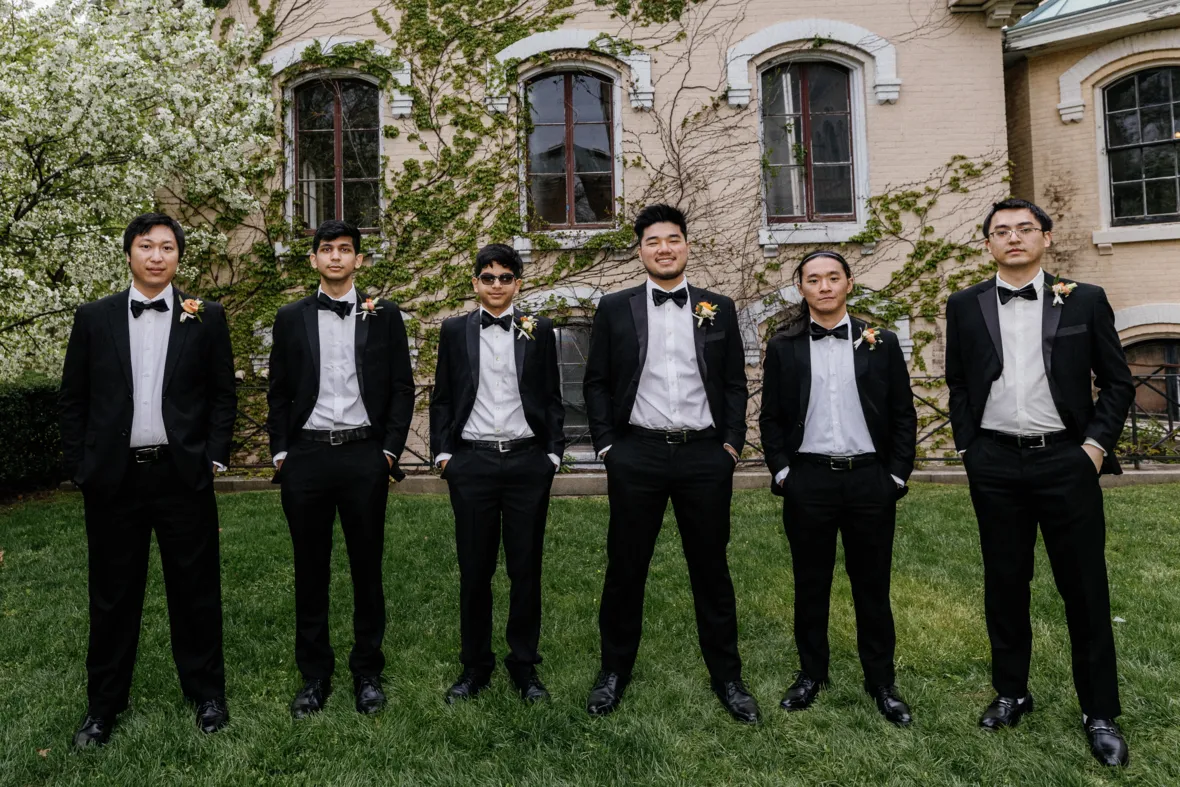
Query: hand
[[732, 452], [279, 464], [389, 459], [1096, 456], [443, 464]]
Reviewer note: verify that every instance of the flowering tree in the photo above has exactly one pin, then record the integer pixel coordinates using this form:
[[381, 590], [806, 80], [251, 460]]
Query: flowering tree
[[107, 110]]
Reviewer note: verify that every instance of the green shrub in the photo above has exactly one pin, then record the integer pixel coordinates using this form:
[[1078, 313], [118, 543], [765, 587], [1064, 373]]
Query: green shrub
[[30, 439]]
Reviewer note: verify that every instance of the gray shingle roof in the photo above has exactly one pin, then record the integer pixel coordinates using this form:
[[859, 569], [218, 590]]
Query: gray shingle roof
[[1054, 9]]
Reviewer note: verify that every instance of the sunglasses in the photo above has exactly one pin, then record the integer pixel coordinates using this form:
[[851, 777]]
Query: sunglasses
[[488, 279]]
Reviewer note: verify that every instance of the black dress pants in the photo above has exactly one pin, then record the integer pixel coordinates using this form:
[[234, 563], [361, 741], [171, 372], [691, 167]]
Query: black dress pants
[[318, 480], [861, 505], [1014, 490], [118, 533], [643, 474], [494, 493]]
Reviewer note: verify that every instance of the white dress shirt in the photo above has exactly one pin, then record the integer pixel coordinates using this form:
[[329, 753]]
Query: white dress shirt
[[498, 412], [149, 334], [835, 422]]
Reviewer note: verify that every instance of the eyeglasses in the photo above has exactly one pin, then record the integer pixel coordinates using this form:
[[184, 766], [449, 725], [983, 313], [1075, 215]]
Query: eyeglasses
[[1025, 232], [488, 279]]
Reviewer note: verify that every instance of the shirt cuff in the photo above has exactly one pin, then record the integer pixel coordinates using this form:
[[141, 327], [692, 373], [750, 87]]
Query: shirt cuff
[[280, 456], [438, 460], [219, 467], [729, 448], [556, 460], [782, 475], [388, 453], [602, 453], [1095, 443], [960, 453], [898, 481]]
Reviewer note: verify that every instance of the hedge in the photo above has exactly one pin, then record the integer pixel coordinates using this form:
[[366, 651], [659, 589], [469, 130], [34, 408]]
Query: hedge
[[30, 437]]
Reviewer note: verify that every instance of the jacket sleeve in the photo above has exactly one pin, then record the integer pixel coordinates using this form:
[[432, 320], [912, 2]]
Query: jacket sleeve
[[771, 419], [281, 389], [74, 395], [223, 411], [903, 417], [737, 392], [401, 406], [1112, 377], [596, 385], [442, 403], [962, 424], [554, 407]]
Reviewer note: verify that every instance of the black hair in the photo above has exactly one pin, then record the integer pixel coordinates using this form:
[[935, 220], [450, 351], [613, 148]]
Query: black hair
[[654, 214], [502, 253], [333, 229], [822, 253], [1012, 203], [142, 225]]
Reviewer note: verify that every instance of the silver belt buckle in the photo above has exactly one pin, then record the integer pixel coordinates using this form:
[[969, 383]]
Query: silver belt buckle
[[840, 462], [1024, 444], [500, 446], [145, 455], [677, 437], [335, 437]]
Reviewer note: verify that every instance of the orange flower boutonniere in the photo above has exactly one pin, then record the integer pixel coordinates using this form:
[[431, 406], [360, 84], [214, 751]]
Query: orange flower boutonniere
[[191, 309]]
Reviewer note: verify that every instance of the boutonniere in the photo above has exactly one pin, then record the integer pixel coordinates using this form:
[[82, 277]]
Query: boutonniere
[[1062, 290], [526, 325], [705, 311], [191, 309], [368, 309], [870, 335]]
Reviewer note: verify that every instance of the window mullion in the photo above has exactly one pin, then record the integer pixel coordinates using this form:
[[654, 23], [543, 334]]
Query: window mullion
[[338, 145], [569, 150], [805, 144]]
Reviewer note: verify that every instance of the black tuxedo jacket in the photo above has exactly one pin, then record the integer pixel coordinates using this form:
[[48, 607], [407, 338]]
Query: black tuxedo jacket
[[618, 351], [1077, 337], [882, 384], [382, 368], [456, 380], [199, 401]]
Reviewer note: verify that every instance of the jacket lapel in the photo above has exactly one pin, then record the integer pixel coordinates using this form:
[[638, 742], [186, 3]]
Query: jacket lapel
[[472, 332], [639, 315], [177, 336], [698, 331], [802, 346], [860, 355], [362, 337], [1050, 319], [122, 334], [990, 307], [520, 343], [311, 321]]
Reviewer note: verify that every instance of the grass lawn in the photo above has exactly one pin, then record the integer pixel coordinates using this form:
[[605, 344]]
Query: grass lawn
[[669, 730]]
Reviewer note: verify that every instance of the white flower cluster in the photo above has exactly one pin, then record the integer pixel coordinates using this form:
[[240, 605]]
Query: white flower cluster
[[107, 110]]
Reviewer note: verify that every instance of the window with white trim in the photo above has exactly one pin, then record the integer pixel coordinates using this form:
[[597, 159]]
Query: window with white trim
[[1143, 145]]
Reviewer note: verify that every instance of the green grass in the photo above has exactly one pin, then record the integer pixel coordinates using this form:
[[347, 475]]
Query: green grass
[[670, 729]]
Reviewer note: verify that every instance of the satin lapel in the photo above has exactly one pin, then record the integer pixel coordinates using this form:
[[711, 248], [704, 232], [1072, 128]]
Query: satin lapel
[[989, 305], [472, 333], [122, 334], [311, 321], [698, 332], [802, 344], [639, 315], [520, 343], [1050, 319], [860, 355], [362, 337], [177, 336]]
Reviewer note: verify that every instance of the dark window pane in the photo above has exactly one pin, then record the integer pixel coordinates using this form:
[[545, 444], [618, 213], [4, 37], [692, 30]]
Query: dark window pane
[[829, 139], [593, 199], [785, 191], [361, 159], [1126, 165], [1156, 123], [592, 151], [781, 135], [547, 149], [316, 202], [548, 197], [547, 99], [358, 105], [827, 88], [1128, 200], [833, 189], [1154, 87], [1161, 197], [316, 155], [1159, 161], [591, 99], [1176, 117], [315, 104], [573, 345], [1121, 95], [1122, 128], [360, 204], [781, 91]]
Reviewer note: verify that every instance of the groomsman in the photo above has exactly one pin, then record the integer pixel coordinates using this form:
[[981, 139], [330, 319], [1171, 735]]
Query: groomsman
[[839, 432], [1021, 349], [496, 429], [341, 397], [147, 412], [665, 391]]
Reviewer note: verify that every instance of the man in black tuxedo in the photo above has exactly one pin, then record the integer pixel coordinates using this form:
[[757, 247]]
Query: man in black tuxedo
[[1021, 348], [147, 412], [666, 394], [496, 430], [341, 398], [839, 433]]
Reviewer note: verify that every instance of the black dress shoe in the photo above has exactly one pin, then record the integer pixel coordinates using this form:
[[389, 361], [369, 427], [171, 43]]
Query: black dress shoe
[[533, 690], [94, 731], [369, 696], [802, 692], [467, 686], [607, 693], [891, 706], [311, 698], [1005, 712], [212, 715], [1106, 742], [736, 699]]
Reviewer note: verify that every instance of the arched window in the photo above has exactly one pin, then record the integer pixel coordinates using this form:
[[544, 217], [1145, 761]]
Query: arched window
[[570, 151], [337, 152], [1156, 365], [1142, 141], [807, 143]]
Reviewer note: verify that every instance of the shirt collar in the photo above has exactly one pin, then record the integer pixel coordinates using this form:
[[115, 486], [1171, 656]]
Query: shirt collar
[[136, 295], [349, 297], [846, 321], [652, 286], [1038, 282], [510, 310]]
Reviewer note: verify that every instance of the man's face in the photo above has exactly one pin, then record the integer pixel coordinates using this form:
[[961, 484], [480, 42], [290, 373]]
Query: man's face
[[336, 260], [495, 286], [825, 286], [663, 249], [1015, 238], [154, 258]]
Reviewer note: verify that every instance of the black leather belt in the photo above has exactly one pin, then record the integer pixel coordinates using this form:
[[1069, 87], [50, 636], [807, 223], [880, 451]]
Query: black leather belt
[[337, 436], [499, 446], [675, 436], [149, 454], [1026, 440], [838, 462]]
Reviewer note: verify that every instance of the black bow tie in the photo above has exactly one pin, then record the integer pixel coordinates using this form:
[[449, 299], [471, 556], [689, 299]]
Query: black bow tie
[[324, 303], [660, 297], [1028, 292], [504, 320], [139, 307], [818, 331]]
